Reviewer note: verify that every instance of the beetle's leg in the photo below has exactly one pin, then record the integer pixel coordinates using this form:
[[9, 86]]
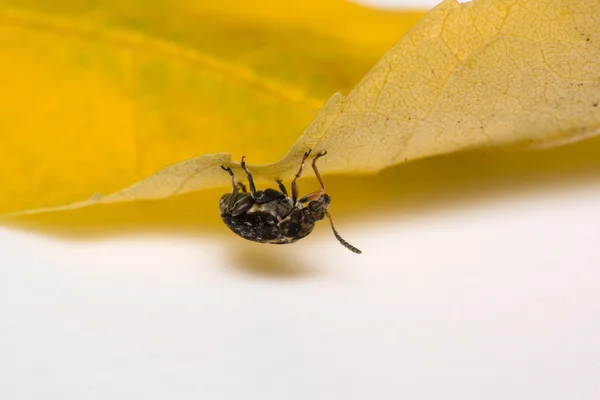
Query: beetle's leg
[[242, 186], [250, 180], [315, 195], [234, 192], [281, 187], [314, 165], [298, 175], [311, 196], [233, 184]]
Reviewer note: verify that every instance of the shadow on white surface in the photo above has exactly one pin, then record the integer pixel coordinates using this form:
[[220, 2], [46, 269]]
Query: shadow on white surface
[[268, 261]]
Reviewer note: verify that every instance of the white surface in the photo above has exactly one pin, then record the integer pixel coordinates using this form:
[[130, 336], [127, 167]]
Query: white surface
[[497, 300], [493, 301]]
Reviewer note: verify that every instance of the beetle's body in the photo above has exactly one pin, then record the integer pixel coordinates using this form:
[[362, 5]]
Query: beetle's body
[[276, 221], [270, 216]]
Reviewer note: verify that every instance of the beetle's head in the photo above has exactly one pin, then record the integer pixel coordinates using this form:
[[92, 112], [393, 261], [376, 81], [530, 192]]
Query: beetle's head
[[318, 210], [318, 207]]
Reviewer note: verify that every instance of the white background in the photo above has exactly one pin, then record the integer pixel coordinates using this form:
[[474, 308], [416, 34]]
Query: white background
[[484, 286]]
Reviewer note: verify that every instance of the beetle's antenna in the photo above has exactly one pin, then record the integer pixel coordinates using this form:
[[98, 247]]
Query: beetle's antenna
[[339, 238]]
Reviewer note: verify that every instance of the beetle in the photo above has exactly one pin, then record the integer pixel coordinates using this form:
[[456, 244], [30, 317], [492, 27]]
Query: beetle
[[271, 216]]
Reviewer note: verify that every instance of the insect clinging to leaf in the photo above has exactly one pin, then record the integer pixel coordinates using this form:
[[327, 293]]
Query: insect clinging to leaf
[[271, 216]]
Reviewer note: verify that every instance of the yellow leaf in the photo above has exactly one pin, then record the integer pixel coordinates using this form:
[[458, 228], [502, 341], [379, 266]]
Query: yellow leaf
[[98, 95], [480, 74]]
